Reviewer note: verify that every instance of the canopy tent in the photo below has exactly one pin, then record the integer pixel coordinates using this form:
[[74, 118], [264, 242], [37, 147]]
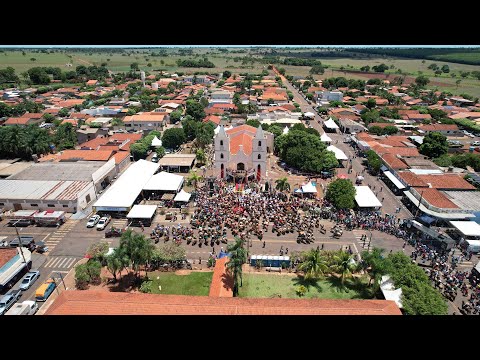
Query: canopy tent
[[394, 180], [467, 228], [298, 191], [339, 154], [285, 130], [309, 114], [330, 124], [182, 196], [309, 188], [365, 197], [217, 129], [164, 181], [343, 176], [142, 212], [156, 142], [325, 138]]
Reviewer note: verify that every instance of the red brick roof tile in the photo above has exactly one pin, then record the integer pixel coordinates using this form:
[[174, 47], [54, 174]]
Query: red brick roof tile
[[436, 198], [97, 302]]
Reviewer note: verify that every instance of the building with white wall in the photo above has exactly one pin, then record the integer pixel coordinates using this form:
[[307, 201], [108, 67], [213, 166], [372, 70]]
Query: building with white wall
[[241, 152]]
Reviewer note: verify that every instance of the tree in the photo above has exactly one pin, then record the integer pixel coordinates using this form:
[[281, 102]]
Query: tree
[[203, 102], [204, 134], [282, 184], [281, 71], [365, 68], [423, 300], [170, 252], [65, 137], [172, 138], [137, 249], [139, 150], [476, 74], [343, 264], [98, 250], [193, 178], [317, 69], [48, 117], [200, 156], [64, 112], [438, 72], [433, 66], [422, 80], [376, 130], [116, 262], [189, 125], [33, 59], [434, 145], [371, 104], [175, 116], [275, 129], [457, 82], [375, 265], [226, 74], [390, 130], [374, 161], [253, 122], [134, 66], [309, 96], [238, 257], [195, 110], [81, 277], [328, 160], [445, 68], [313, 265], [38, 76], [380, 68], [341, 193]]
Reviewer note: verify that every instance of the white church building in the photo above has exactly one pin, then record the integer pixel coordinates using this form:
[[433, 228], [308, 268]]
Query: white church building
[[241, 152]]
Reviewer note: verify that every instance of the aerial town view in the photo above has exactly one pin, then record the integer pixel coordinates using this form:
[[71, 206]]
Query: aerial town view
[[241, 180]]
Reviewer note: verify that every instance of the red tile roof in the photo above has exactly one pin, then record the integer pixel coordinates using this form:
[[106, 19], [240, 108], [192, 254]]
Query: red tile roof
[[404, 151], [85, 155], [411, 179], [439, 127], [143, 118], [242, 139], [447, 181], [97, 302], [120, 156], [436, 198], [237, 129], [17, 121], [222, 283], [214, 119], [91, 82], [74, 122], [39, 115], [394, 162]]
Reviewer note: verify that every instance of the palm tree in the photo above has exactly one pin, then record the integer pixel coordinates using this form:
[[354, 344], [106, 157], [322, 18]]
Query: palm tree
[[314, 265], [238, 256], [282, 184], [375, 265], [344, 264], [194, 178], [201, 157]]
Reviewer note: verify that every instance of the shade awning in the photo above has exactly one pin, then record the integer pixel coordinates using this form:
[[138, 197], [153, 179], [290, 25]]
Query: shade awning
[[142, 212], [325, 138], [309, 114], [156, 142], [182, 196], [309, 188], [394, 180], [164, 181], [467, 228]]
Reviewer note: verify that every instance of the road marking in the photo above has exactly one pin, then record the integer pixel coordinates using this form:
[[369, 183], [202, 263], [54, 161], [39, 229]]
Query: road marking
[[54, 263], [46, 236], [48, 262], [70, 263], [60, 264]]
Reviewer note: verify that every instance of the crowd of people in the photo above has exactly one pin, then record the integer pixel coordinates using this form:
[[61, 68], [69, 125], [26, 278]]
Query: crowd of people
[[446, 277]]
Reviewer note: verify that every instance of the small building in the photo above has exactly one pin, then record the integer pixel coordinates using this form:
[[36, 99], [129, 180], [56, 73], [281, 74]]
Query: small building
[[444, 129], [181, 163], [142, 215], [86, 133], [146, 121]]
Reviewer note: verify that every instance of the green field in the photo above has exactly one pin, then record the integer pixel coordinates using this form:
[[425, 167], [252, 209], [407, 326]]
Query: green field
[[194, 284], [266, 286], [117, 61]]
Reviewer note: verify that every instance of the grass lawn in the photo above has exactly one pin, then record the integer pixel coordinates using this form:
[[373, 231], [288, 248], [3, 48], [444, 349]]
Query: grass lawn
[[197, 283], [265, 286]]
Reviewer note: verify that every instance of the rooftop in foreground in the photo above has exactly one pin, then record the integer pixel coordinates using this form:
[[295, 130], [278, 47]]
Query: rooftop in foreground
[[95, 302]]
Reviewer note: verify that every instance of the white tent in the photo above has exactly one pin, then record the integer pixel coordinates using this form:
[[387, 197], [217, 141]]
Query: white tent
[[331, 124], [164, 181], [298, 191], [309, 114], [285, 130], [309, 188], [156, 142], [365, 197], [467, 228], [182, 196], [217, 129], [325, 138], [142, 212], [339, 154]]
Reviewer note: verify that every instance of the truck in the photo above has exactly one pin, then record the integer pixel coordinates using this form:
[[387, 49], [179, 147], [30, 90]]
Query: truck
[[27, 307]]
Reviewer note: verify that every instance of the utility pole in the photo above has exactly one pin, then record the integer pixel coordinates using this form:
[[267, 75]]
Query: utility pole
[[419, 201], [20, 241], [63, 282]]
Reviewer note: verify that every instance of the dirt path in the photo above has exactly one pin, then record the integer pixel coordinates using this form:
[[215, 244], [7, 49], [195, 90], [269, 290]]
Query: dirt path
[[84, 61]]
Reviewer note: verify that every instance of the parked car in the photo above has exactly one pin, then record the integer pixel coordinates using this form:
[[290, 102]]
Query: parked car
[[103, 222], [93, 221], [29, 279], [475, 143], [6, 303], [17, 294]]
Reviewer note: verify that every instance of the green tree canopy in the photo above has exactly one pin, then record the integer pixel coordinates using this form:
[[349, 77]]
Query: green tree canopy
[[173, 138], [341, 193], [195, 110], [422, 80], [434, 145]]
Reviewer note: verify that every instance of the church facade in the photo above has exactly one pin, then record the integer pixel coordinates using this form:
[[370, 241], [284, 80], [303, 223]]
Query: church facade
[[241, 152]]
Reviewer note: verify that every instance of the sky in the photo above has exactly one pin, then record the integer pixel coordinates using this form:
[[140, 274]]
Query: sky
[[236, 46]]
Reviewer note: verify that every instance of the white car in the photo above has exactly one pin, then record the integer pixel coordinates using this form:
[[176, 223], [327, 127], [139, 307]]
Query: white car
[[29, 279], [92, 221], [102, 224], [475, 143]]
